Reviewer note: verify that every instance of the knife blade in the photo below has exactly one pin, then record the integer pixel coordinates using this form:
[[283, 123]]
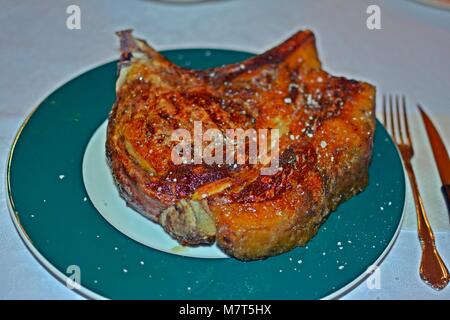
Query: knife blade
[[440, 155]]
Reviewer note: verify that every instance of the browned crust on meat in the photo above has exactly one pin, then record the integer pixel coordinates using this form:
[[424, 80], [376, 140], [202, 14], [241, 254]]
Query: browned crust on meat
[[327, 129]]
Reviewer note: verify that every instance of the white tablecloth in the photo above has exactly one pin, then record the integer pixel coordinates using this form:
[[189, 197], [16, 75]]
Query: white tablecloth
[[410, 54]]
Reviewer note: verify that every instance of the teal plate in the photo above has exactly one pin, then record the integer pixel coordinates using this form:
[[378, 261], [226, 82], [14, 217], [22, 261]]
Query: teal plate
[[53, 214]]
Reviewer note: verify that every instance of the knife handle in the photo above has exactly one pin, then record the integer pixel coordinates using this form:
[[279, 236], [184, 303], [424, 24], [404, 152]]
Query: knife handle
[[446, 191]]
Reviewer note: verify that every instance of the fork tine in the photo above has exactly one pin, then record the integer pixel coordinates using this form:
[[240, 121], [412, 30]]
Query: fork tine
[[405, 119], [384, 112], [394, 135], [399, 121]]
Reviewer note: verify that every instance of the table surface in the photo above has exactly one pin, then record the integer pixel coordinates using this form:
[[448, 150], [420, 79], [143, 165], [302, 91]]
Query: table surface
[[409, 54]]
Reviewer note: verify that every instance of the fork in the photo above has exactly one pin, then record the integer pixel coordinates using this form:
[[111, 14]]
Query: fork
[[432, 268]]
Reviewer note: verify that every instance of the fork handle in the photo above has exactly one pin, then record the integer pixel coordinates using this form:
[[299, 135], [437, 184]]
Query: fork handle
[[446, 192], [432, 268]]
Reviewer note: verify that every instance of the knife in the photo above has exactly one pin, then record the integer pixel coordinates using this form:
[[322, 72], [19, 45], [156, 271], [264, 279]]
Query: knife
[[440, 155]]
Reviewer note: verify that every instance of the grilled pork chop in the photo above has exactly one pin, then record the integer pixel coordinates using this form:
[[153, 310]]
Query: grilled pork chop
[[326, 127]]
